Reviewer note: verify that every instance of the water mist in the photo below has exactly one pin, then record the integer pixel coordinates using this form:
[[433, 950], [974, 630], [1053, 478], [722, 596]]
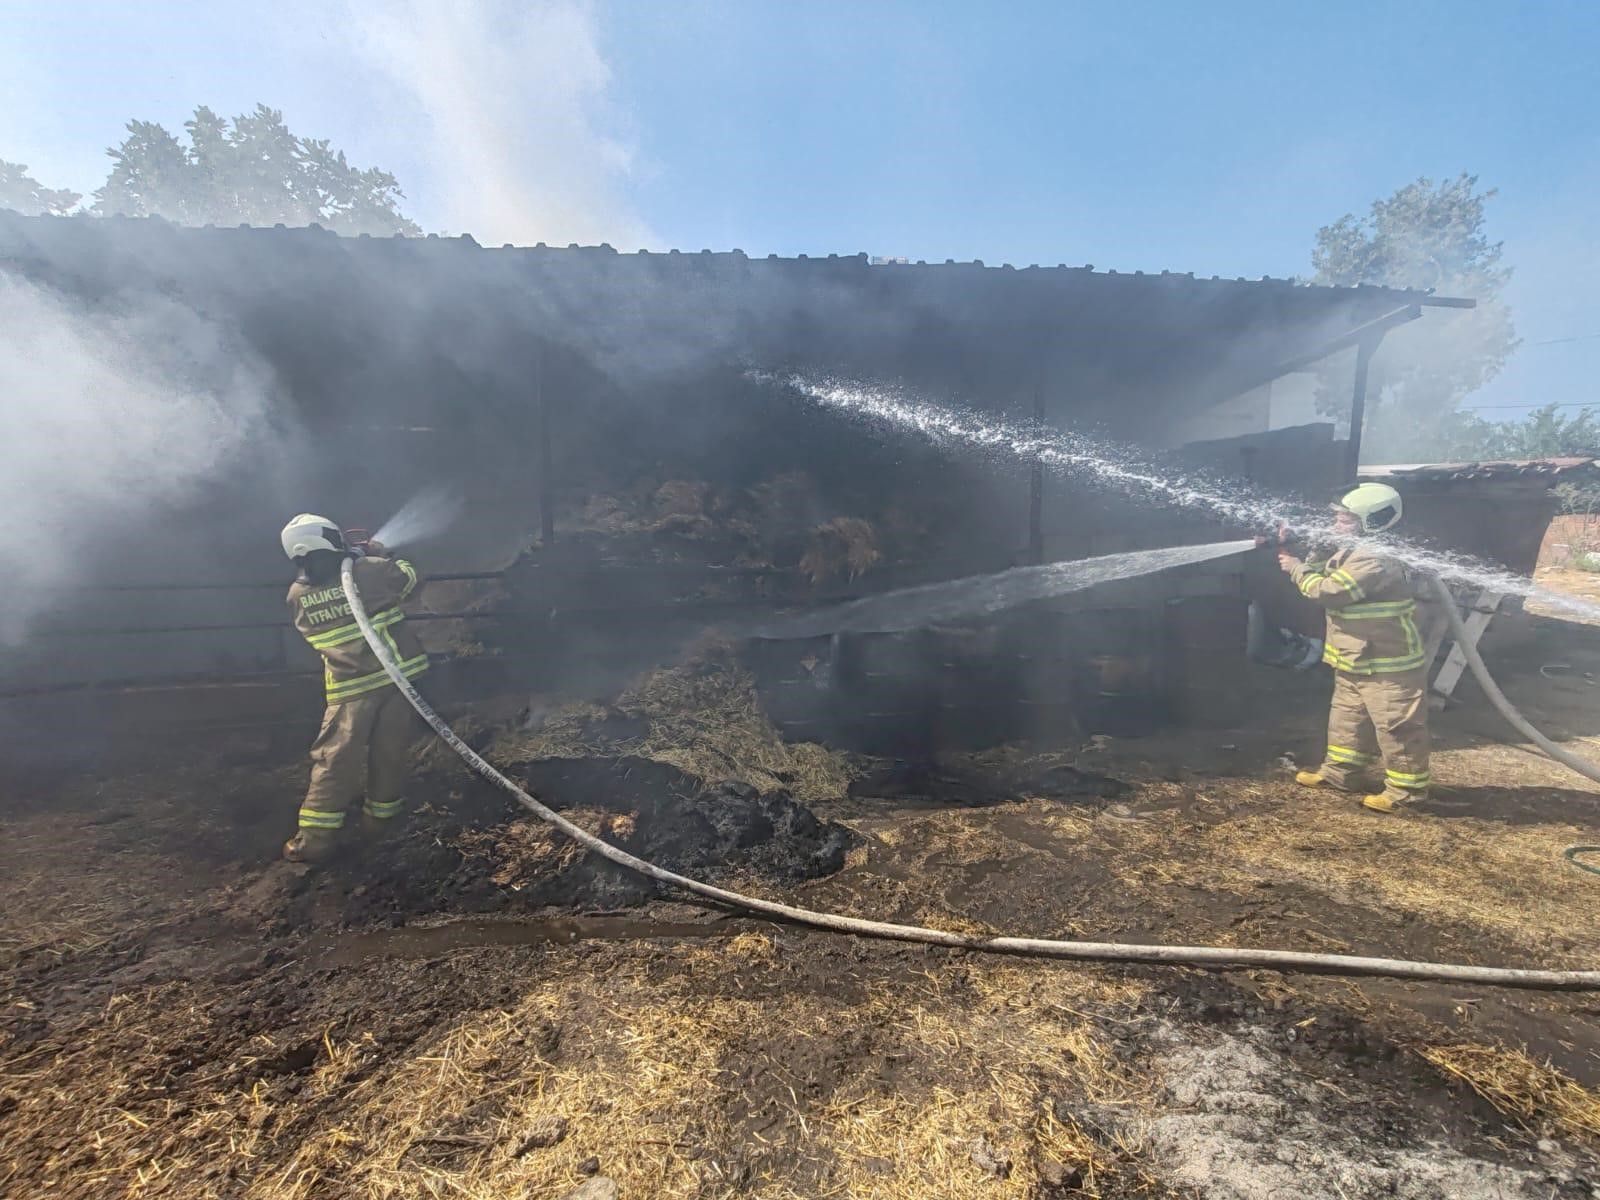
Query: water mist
[[1122, 469]]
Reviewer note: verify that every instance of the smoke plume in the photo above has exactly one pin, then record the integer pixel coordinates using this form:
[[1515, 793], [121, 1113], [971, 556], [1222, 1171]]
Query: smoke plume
[[521, 126], [112, 417]]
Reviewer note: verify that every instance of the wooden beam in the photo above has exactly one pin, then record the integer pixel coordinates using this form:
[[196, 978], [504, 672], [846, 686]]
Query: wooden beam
[[1036, 492], [547, 503]]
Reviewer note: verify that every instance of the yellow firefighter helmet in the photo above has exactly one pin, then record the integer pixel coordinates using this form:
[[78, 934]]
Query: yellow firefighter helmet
[[1376, 505]]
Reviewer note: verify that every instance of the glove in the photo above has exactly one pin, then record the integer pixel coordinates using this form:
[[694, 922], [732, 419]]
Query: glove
[[377, 550]]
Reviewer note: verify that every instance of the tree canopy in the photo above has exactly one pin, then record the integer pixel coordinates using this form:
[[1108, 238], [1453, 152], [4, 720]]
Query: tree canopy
[[1543, 433], [250, 170], [1425, 236], [20, 191]]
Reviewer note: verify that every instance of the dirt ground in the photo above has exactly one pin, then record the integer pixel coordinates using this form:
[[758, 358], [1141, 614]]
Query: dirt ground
[[1570, 581], [474, 1009]]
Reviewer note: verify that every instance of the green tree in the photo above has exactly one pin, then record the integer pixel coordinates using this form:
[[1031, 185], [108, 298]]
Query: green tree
[[1427, 236], [1543, 433], [251, 170], [24, 194], [151, 176]]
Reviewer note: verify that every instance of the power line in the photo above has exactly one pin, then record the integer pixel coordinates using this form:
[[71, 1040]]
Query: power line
[[1582, 337]]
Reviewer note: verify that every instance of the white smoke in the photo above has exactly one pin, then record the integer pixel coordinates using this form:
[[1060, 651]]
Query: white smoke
[[109, 415], [522, 132]]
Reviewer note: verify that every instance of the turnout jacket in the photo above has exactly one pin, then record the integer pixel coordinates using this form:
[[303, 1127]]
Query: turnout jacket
[[1372, 611], [322, 615]]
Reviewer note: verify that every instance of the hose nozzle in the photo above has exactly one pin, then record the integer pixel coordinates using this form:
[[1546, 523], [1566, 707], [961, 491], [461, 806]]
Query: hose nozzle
[[1282, 536]]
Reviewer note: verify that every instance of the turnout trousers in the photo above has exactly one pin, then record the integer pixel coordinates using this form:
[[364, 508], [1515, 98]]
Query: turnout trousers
[[361, 751], [1380, 719]]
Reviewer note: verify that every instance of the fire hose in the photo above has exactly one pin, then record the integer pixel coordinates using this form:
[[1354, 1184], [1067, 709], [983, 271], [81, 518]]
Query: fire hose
[[1469, 650], [1465, 643], [1209, 957]]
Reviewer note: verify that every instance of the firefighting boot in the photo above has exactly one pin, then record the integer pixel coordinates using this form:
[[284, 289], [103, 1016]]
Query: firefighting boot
[[1316, 779], [311, 846], [382, 821], [1387, 802]]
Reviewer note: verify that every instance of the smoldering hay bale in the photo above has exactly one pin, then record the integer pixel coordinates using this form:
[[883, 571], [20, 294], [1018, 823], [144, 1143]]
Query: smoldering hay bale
[[700, 716], [682, 498], [844, 547]]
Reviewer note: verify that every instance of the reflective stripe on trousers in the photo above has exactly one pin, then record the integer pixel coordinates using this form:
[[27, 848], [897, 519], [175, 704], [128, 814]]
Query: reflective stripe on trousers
[[361, 751], [1373, 718]]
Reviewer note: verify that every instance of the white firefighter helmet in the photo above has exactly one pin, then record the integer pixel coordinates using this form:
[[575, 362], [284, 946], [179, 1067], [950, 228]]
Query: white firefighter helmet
[[1376, 505], [309, 532]]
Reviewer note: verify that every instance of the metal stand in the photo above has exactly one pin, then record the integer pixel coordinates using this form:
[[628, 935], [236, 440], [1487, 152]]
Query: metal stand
[[1481, 609]]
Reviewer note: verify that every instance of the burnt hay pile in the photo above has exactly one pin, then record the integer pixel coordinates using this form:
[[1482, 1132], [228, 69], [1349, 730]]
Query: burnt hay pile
[[700, 717], [681, 769]]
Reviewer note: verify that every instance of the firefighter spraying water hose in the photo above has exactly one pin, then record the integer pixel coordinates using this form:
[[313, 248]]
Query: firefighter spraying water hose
[[366, 726], [1378, 718], [1212, 957]]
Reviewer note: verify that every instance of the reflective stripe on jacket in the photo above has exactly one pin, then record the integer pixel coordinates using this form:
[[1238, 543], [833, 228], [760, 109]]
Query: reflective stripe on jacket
[[322, 616], [1372, 611]]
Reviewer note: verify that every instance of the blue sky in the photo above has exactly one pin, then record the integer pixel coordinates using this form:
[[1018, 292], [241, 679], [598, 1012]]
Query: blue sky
[[1209, 138]]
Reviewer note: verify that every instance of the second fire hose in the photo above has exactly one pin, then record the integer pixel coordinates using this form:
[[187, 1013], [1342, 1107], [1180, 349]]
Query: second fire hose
[[1211, 957]]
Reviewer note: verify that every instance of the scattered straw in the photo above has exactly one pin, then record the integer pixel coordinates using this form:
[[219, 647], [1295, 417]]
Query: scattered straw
[[1532, 1093], [688, 1071], [691, 1094], [1489, 876]]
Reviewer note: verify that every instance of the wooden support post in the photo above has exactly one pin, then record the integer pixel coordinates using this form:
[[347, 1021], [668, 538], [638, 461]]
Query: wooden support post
[[1036, 492], [1358, 404], [547, 511]]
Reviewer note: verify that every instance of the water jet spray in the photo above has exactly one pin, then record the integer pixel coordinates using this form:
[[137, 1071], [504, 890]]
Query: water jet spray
[[428, 514], [1119, 467], [1122, 469]]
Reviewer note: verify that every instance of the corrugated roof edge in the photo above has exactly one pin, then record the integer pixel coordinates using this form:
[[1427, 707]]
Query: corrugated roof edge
[[861, 260], [1502, 469]]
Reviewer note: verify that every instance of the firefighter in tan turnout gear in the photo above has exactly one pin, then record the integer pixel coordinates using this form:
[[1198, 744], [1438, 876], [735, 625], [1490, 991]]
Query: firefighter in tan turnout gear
[[1379, 714], [368, 726]]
